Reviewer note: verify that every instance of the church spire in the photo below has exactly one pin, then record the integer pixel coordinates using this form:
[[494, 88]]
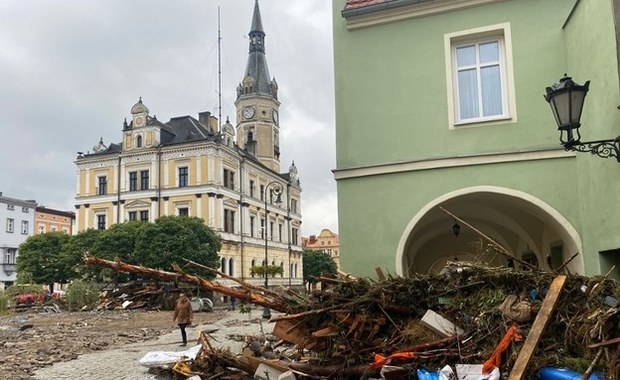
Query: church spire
[[257, 79]]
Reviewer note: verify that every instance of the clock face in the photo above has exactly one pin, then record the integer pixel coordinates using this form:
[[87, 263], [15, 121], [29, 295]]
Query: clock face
[[248, 112], [275, 116], [139, 121]]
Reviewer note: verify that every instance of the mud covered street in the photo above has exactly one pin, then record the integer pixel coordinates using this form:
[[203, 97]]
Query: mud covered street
[[32, 339]]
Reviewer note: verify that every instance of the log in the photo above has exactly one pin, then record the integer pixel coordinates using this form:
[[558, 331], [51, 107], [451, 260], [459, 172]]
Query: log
[[252, 297]]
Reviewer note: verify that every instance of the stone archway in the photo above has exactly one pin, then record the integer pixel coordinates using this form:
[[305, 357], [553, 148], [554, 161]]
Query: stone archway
[[522, 223]]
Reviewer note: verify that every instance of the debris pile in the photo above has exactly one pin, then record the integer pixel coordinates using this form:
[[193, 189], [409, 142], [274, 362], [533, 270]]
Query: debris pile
[[139, 296], [491, 319]]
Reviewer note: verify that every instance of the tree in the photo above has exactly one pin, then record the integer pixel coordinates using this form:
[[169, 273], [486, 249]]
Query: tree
[[41, 256], [79, 246], [173, 238], [316, 264]]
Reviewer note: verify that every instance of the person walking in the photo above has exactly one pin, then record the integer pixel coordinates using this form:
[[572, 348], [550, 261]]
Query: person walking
[[183, 315]]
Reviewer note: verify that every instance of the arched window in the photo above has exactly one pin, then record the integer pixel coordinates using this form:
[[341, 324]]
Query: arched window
[[139, 141], [282, 266], [290, 271], [253, 265], [231, 267], [223, 265]]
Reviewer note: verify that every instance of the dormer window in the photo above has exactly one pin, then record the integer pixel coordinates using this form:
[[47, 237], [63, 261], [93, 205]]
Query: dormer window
[[139, 142]]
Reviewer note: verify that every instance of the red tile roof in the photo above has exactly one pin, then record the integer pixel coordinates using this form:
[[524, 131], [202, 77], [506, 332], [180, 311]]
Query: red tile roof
[[353, 4]]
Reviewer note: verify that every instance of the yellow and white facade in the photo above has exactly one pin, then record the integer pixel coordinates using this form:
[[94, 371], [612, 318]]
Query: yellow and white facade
[[188, 166]]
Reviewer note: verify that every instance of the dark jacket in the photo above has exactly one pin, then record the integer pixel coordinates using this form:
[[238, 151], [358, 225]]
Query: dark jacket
[[183, 312]]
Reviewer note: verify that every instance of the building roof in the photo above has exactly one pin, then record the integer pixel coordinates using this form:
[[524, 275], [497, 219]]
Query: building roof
[[19, 202], [354, 4], [256, 67], [43, 209]]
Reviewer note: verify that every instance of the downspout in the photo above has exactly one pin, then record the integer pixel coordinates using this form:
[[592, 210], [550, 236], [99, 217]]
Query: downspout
[[118, 191]]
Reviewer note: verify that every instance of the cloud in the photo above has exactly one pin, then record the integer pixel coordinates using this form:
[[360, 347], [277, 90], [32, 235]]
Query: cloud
[[71, 70]]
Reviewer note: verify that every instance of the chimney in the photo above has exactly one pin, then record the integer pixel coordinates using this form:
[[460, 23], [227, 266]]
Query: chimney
[[203, 118]]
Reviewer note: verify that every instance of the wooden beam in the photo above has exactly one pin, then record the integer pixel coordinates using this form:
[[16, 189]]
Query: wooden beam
[[546, 310], [380, 274]]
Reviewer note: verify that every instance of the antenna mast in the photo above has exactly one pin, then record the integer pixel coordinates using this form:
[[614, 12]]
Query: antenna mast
[[219, 72]]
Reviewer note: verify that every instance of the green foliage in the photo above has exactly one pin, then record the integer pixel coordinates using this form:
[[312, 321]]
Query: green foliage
[[171, 239], [41, 256], [5, 300], [16, 289], [272, 270], [81, 293], [316, 264], [57, 257]]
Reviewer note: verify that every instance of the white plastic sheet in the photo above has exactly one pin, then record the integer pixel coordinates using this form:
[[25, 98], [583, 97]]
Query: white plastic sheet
[[166, 358]]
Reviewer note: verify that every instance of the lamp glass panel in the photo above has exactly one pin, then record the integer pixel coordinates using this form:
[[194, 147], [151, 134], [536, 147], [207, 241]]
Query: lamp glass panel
[[561, 105], [577, 98]]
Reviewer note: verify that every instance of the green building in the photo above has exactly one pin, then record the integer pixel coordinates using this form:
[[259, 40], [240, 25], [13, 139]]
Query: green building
[[439, 106]]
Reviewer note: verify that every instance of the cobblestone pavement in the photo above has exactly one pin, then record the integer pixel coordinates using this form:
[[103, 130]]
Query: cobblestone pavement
[[122, 363]]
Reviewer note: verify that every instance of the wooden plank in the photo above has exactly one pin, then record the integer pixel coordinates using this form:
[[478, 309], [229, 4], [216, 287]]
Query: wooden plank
[[546, 310], [380, 274]]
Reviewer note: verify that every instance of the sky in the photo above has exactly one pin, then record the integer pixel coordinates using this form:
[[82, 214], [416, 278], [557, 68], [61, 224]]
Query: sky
[[70, 70]]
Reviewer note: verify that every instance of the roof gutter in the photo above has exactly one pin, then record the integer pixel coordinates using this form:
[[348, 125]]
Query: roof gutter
[[389, 4]]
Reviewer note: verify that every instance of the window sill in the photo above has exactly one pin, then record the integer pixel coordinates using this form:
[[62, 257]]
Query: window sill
[[483, 122]]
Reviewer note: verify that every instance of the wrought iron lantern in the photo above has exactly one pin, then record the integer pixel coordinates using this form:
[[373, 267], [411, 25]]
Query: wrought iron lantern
[[566, 99]]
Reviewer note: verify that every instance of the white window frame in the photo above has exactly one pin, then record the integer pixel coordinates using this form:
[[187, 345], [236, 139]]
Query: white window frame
[[502, 33], [10, 225], [25, 227]]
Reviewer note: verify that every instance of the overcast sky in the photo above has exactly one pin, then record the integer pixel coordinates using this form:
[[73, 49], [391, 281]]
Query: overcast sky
[[70, 70]]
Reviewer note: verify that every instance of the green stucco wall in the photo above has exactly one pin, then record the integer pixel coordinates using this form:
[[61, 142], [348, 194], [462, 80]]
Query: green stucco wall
[[391, 106]]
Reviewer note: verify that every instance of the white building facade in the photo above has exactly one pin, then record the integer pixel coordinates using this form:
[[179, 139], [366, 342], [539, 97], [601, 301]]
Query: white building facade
[[16, 224]]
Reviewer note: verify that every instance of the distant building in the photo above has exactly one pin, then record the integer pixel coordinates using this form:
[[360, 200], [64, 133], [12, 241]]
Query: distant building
[[227, 175], [17, 219], [50, 220], [327, 242]]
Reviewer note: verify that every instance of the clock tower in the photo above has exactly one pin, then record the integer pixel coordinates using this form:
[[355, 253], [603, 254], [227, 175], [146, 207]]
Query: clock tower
[[257, 102]]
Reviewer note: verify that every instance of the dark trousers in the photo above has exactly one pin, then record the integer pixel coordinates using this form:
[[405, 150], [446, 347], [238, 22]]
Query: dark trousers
[[182, 326]]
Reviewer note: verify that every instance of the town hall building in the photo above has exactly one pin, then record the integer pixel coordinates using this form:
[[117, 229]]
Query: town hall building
[[229, 176]]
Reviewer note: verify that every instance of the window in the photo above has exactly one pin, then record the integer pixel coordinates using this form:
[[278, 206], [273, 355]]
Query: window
[[184, 211], [144, 216], [229, 179], [24, 227], [183, 176], [262, 192], [41, 228], [133, 215], [229, 221], [10, 225], [9, 257], [294, 233], [271, 229], [133, 181], [294, 205], [231, 267], [101, 222], [103, 185], [479, 75], [144, 180], [54, 228], [139, 142], [10, 207], [252, 226], [25, 209], [262, 228], [252, 188], [280, 232]]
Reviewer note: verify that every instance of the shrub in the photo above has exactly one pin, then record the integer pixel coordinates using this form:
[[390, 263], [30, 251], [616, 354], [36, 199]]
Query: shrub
[[80, 294], [4, 302]]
